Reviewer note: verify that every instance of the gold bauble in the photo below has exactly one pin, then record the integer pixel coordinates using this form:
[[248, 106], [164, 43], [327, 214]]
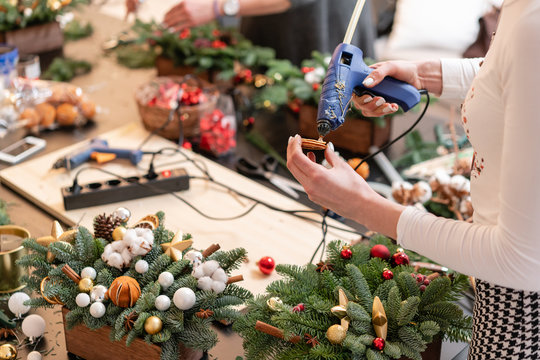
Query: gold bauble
[[336, 334], [118, 233], [153, 325], [8, 352], [86, 285]]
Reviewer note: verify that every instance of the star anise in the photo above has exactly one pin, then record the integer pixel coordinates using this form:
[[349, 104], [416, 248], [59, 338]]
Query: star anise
[[5, 333], [204, 314], [130, 320], [323, 266], [311, 340]]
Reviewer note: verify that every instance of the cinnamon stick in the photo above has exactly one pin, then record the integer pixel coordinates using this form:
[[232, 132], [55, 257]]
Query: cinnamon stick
[[70, 273], [210, 250], [433, 276], [274, 331], [234, 279]]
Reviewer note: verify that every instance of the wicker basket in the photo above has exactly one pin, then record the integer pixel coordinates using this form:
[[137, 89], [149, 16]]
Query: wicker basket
[[155, 118]]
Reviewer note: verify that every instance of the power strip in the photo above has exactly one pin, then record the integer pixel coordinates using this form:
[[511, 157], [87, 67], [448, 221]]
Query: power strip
[[116, 190]]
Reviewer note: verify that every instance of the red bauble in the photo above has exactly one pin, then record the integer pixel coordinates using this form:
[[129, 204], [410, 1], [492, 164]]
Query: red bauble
[[298, 308], [378, 343], [380, 251], [422, 288], [346, 253], [400, 258], [266, 265], [387, 274]]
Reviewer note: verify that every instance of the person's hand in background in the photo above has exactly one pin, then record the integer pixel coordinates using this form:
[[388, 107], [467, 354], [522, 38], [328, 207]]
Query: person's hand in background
[[189, 13]]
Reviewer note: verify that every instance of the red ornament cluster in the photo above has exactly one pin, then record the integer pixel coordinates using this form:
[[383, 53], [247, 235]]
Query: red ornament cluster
[[400, 258], [184, 34], [168, 92], [380, 251], [378, 343], [387, 274], [218, 44], [244, 76], [298, 308], [421, 280], [218, 132], [267, 265], [346, 253]]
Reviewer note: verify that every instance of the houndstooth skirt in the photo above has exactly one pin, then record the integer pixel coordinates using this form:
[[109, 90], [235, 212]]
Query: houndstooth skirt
[[506, 324]]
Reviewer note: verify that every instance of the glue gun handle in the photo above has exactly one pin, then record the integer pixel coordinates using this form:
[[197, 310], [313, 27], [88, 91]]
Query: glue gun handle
[[134, 156]]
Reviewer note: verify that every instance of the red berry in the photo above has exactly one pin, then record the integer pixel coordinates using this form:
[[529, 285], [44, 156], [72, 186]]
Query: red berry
[[420, 278], [346, 253], [378, 343], [422, 288], [298, 308], [387, 274], [413, 275], [426, 282], [380, 251], [400, 258], [266, 265]]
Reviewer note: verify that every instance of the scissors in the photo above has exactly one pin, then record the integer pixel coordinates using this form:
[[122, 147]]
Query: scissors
[[266, 169]]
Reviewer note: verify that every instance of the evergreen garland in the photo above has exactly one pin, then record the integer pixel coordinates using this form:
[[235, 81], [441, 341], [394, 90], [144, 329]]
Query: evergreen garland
[[178, 326], [414, 316]]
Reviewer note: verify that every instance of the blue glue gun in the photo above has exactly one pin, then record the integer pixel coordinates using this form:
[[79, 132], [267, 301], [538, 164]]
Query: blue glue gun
[[100, 146], [346, 73]]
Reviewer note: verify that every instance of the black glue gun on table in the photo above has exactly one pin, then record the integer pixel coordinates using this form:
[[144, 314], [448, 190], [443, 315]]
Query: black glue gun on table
[[346, 73], [99, 150]]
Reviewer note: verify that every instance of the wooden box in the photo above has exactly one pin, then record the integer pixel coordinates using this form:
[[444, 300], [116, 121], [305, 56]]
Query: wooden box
[[355, 135], [96, 345]]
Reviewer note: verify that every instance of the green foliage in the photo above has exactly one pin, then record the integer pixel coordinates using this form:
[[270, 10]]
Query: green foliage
[[414, 317], [64, 69], [418, 150], [4, 217], [178, 325], [75, 30]]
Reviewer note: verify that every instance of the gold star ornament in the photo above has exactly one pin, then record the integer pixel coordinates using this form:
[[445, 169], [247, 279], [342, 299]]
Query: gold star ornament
[[379, 319], [176, 246], [57, 234]]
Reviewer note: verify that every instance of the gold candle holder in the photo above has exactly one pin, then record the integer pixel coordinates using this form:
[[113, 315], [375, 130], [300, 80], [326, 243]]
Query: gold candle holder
[[10, 272]]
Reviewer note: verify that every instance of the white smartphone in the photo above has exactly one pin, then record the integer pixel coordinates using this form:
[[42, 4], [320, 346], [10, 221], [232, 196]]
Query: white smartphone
[[22, 149]]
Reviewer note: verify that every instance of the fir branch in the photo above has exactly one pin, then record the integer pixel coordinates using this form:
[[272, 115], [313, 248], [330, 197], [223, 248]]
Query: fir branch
[[177, 267], [226, 314], [408, 310], [169, 349], [63, 252], [429, 328], [437, 290], [392, 350], [318, 303], [186, 281], [163, 336], [85, 246], [155, 268], [459, 330], [175, 319], [238, 291], [358, 313], [38, 303], [229, 260], [32, 244], [198, 335], [384, 289], [75, 317], [375, 355], [407, 285], [360, 287], [410, 336], [409, 352], [353, 343]]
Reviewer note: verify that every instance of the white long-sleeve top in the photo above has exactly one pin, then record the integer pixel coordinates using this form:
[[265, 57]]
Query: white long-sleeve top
[[501, 116]]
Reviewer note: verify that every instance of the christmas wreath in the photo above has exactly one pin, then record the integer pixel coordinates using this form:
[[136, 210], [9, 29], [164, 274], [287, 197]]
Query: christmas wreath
[[126, 278], [361, 303]]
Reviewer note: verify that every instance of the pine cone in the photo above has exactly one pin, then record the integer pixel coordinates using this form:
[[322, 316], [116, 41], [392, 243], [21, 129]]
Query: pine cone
[[104, 226]]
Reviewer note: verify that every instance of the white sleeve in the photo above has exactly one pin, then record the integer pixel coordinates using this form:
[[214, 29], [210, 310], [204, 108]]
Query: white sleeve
[[508, 253], [457, 76]]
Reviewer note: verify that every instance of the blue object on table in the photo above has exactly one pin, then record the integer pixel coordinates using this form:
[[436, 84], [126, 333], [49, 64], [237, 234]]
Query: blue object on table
[[9, 57]]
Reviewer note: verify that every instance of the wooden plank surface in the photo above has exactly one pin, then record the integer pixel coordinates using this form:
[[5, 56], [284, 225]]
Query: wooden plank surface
[[263, 232]]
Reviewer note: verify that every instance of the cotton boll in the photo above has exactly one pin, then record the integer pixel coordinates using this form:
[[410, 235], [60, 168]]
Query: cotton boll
[[460, 183], [194, 256], [117, 246], [422, 191], [401, 185], [218, 287], [209, 267], [198, 272], [107, 251], [220, 275], [126, 256], [115, 260], [205, 283], [129, 236], [440, 176]]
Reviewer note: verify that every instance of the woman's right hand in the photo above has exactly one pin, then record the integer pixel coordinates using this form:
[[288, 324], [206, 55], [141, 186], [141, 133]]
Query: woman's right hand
[[402, 70]]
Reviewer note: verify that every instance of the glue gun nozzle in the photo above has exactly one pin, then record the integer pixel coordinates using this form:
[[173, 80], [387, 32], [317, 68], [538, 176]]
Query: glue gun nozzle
[[323, 127]]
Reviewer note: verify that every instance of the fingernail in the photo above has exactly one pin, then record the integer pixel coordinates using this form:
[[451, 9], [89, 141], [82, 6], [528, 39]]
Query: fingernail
[[379, 102], [368, 99], [290, 139], [298, 138], [387, 109], [368, 81], [330, 146]]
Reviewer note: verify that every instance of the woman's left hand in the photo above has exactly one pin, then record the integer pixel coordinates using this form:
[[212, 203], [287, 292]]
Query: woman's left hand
[[189, 13], [340, 188]]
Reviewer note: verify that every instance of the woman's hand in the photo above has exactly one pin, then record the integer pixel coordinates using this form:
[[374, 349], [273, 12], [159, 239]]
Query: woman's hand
[[340, 188], [421, 75], [189, 13]]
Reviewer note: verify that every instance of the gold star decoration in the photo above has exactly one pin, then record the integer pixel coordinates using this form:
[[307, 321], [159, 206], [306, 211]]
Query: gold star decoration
[[341, 310], [378, 318], [57, 234], [176, 246]]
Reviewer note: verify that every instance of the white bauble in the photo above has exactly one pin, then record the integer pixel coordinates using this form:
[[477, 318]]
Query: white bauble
[[218, 287], [16, 304], [205, 283], [33, 326], [34, 355], [184, 298], [97, 310], [165, 279], [162, 303], [209, 267], [141, 266], [220, 275], [195, 257], [82, 300], [98, 293], [198, 272], [89, 272]]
